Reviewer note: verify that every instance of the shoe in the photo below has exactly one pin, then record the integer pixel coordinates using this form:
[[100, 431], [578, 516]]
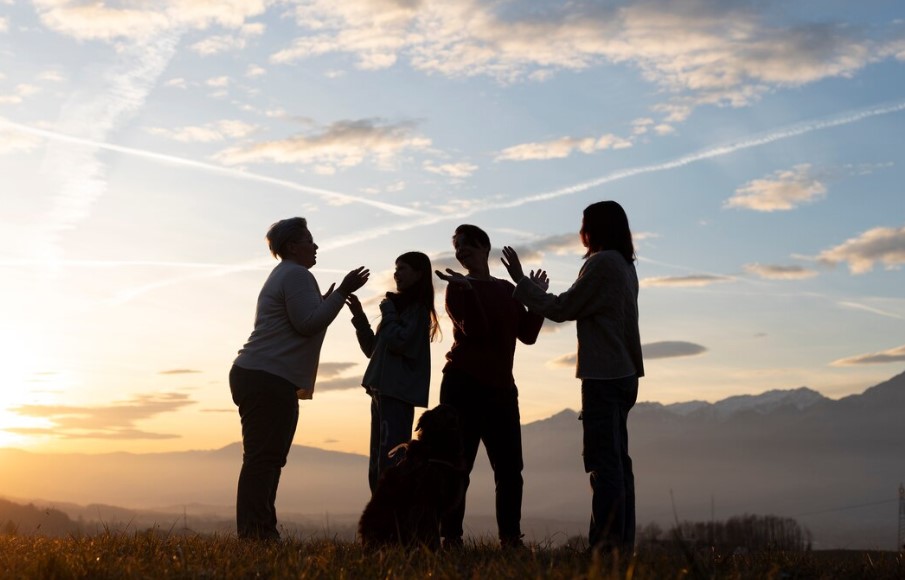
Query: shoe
[[512, 543]]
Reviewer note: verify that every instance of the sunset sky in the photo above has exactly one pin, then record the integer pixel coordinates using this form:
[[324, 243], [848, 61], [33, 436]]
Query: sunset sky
[[146, 146]]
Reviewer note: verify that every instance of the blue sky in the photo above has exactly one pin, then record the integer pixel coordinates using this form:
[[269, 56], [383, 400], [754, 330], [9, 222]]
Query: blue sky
[[147, 146]]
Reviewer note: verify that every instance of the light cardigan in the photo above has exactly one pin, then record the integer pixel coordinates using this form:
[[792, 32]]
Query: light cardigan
[[290, 325], [604, 303], [400, 365]]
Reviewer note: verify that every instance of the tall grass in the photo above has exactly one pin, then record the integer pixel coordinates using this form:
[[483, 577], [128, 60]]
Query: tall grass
[[157, 555]]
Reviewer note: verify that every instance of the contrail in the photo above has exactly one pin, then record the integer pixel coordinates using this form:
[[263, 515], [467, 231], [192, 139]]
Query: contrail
[[710, 153], [332, 196], [427, 219]]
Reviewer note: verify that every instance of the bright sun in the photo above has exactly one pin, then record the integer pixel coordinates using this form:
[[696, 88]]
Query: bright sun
[[18, 359]]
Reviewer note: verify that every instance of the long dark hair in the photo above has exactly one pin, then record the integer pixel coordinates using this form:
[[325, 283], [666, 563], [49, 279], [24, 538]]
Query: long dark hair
[[604, 226], [421, 292]]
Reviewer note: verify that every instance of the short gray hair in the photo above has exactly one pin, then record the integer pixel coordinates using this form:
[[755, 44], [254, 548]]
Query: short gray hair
[[284, 232]]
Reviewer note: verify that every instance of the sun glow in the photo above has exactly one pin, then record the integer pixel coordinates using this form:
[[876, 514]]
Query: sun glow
[[24, 384]]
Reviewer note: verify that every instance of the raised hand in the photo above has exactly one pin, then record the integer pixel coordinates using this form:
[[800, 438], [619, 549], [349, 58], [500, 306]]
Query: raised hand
[[512, 263], [354, 305], [540, 278], [454, 277], [354, 280]]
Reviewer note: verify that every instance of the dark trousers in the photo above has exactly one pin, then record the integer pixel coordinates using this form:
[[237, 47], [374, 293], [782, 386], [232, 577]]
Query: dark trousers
[[269, 409], [490, 415], [604, 412], [391, 424]]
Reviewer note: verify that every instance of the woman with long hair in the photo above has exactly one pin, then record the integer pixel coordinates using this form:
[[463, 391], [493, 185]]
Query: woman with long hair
[[398, 374], [604, 303]]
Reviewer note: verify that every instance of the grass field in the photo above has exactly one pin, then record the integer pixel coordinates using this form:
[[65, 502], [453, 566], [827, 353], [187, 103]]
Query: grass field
[[154, 555]]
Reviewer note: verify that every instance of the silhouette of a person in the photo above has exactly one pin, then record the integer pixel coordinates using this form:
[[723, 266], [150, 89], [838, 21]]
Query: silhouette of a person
[[477, 378], [604, 303], [399, 372], [278, 366]]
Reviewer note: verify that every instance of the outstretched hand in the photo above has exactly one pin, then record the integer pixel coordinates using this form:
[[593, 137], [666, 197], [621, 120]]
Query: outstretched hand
[[354, 305], [540, 278], [512, 263], [454, 277], [354, 280]]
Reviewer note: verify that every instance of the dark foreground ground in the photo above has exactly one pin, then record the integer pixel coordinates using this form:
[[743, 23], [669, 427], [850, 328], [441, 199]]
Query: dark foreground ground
[[154, 555]]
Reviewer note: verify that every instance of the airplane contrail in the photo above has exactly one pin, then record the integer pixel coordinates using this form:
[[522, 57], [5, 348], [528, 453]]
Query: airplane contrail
[[333, 196], [428, 219]]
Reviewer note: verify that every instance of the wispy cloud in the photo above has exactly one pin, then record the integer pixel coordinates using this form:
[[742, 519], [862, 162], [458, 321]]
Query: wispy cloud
[[884, 245], [690, 281], [784, 190], [892, 355], [115, 421], [342, 144], [226, 42], [780, 272], [454, 170], [325, 194], [19, 93], [651, 351], [179, 372], [208, 133], [562, 148], [76, 175], [699, 51], [671, 349]]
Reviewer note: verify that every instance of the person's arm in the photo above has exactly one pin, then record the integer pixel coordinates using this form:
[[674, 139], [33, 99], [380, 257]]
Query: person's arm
[[309, 312], [404, 331], [529, 325], [363, 331], [571, 304]]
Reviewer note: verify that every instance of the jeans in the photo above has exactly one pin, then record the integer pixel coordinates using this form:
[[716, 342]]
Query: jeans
[[604, 412], [490, 415], [391, 424], [269, 409]]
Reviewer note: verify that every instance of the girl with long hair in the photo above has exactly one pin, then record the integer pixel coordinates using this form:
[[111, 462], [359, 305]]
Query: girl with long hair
[[398, 374], [604, 303]]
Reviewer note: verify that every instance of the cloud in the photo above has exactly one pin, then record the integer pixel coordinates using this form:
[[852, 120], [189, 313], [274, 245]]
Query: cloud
[[651, 351], [454, 170], [120, 19], [892, 355], [255, 71], [340, 384], [332, 370], [12, 141], [561, 148], [19, 94], [226, 42], [884, 245], [778, 272], [179, 372], [341, 145], [671, 349], [220, 82], [208, 133], [115, 421], [784, 190], [4, 24], [691, 281], [696, 51]]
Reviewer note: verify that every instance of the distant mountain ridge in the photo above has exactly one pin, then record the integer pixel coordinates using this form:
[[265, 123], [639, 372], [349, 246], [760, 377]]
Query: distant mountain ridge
[[792, 453]]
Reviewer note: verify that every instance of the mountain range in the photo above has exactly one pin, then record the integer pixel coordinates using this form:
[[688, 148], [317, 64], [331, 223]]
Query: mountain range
[[833, 465]]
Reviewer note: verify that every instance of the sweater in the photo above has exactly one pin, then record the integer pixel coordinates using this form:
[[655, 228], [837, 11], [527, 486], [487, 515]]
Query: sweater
[[291, 322], [487, 321], [400, 365], [604, 303]]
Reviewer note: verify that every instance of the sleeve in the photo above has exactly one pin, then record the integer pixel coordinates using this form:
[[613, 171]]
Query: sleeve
[[404, 332], [529, 325], [466, 312], [571, 304], [308, 312], [367, 340]]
